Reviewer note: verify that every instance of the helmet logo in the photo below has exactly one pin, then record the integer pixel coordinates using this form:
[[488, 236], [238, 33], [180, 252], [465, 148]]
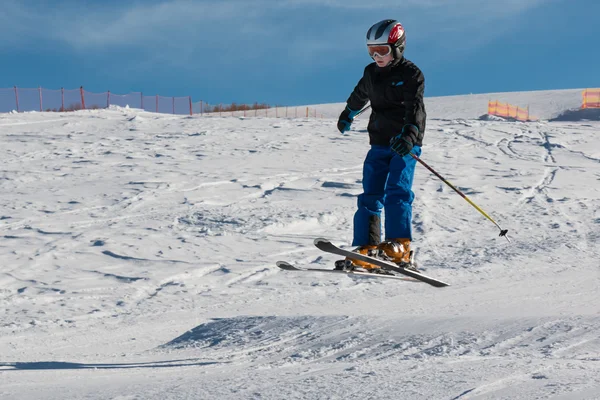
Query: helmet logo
[[396, 33]]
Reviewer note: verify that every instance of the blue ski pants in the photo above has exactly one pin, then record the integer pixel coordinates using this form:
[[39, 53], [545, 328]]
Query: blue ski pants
[[387, 185]]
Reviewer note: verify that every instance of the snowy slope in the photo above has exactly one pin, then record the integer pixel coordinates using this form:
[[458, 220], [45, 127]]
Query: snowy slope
[[543, 104], [137, 260]]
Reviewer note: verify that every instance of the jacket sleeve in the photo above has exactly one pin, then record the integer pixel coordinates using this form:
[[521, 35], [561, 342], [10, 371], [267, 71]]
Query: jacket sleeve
[[414, 89], [360, 95]]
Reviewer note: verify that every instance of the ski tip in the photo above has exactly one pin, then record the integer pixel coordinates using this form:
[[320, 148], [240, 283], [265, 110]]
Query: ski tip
[[320, 240]]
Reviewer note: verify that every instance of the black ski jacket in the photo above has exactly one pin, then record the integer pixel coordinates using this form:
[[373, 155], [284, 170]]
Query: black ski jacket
[[396, 96]]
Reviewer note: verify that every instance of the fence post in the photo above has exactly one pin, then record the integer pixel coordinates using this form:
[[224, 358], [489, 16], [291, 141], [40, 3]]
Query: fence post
[[142, 99], [201, 106], [82, 97], [62, 99], [156, 103], [108, 99], [306, 112], [41, 106], [17, 98]]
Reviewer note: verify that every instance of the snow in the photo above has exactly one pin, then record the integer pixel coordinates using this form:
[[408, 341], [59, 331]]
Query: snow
[[543, 104], [138, 253]]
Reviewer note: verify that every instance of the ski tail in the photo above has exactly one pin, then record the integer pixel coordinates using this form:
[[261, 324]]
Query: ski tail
[[284, 265]]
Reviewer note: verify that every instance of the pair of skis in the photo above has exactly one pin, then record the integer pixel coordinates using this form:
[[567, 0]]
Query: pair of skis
[[327, 246]]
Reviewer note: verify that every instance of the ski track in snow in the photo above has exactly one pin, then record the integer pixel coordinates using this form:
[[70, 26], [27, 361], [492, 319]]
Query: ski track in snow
[[139, 249]]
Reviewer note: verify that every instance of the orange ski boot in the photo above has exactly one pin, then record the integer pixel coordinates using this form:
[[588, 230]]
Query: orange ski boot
[[351, 264], [397, 251]]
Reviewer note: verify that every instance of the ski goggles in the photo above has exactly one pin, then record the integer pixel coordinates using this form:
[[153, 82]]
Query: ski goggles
[[380, 50]]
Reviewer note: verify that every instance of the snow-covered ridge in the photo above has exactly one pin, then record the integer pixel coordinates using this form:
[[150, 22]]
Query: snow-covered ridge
[[544, 104]]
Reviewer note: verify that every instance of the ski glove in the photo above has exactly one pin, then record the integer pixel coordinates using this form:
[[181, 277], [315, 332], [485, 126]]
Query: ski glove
[[346, 119], [404, 142]]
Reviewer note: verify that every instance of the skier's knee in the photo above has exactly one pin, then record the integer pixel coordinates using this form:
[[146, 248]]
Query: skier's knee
[[399, 197], [373, 203]]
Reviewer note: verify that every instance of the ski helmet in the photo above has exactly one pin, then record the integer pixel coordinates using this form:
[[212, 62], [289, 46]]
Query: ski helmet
[[390, 32]]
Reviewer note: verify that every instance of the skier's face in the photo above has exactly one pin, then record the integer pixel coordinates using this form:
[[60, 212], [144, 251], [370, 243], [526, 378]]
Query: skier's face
[[381, 53], [383, 61]]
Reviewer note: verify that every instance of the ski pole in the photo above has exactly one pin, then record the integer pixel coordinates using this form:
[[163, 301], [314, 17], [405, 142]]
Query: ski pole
[[503, 232], [362, 111]]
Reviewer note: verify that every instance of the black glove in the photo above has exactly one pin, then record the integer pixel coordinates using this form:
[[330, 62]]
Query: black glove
[[346, 119], [404, 142]]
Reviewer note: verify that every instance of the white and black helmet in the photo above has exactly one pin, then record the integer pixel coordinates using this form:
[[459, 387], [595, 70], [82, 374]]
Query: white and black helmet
[[390, 32]]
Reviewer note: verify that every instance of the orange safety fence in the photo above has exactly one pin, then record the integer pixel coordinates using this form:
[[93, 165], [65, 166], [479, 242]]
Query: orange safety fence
[[591, 98], [507, 110]]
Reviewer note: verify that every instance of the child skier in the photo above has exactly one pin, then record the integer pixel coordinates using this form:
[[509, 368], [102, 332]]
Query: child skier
[[394, 86]]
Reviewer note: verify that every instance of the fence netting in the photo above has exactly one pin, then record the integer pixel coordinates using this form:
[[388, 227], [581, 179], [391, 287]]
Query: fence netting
[[591, 98], [41, 99]]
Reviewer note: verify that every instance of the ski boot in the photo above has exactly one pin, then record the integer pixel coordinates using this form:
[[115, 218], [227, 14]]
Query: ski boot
[[357, 265], [397, 251]]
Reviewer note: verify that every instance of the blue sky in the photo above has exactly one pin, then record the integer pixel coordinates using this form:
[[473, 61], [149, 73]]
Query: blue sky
[[293, 52]]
